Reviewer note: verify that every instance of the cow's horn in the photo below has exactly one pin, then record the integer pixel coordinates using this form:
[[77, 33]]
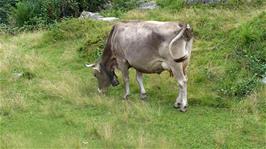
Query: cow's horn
[[97, 67], [89, 65]]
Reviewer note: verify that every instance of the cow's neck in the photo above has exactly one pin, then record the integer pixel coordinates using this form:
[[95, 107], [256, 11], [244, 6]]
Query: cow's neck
[[107, 60]]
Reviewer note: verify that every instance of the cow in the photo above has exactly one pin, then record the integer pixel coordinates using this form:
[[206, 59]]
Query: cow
[[148, 47]]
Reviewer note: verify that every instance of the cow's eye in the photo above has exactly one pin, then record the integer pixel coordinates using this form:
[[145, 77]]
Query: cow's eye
[[94, 75]]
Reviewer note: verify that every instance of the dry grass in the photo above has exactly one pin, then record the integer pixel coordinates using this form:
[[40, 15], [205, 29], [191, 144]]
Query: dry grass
[[67, 141], [12, 102], [69, 89], [14, 141], [219, 138]]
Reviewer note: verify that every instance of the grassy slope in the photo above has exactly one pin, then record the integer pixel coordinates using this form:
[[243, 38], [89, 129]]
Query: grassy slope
[[59, 107]]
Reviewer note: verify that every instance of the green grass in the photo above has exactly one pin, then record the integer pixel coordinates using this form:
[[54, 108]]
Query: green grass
[[55, 103]]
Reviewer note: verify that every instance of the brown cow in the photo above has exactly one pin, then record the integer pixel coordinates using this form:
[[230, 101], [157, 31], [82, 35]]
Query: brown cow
[[149, 47]]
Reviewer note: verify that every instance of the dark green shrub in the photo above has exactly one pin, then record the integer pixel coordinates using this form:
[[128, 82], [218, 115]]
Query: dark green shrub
[[30, 12], [92, 5], [26, 11], [125, 4], [5, 6], [23, 12]]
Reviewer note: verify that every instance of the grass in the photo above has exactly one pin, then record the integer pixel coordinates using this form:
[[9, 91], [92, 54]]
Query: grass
[[54, 102]]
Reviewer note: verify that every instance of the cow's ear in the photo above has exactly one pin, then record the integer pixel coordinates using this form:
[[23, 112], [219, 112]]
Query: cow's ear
[[97, 68]]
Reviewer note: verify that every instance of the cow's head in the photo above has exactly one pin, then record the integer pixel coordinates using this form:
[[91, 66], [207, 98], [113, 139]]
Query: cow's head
[[105, 76]]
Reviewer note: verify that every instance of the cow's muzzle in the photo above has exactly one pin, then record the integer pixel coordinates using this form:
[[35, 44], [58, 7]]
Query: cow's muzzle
[[114, 82]]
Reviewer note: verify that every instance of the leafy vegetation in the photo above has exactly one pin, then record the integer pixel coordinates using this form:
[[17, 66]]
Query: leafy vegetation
[[247, 50], [249, 43], [31, 13], [49, 100]]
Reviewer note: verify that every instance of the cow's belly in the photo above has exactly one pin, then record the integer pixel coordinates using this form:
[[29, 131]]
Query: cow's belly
[[146, 63]]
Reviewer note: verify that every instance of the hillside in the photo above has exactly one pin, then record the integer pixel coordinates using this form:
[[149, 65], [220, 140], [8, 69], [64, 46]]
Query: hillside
[[49, 100]]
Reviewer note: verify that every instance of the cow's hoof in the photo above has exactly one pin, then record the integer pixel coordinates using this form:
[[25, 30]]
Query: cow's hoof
[[177, 105], [126, 97], [183, 109], [143, 96]]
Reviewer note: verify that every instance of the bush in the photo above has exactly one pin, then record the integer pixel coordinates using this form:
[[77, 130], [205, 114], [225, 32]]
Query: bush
[[125, 4], [30, 12], [92, 5], [5, 6], [250, 46], [24, 12], [248, 55]]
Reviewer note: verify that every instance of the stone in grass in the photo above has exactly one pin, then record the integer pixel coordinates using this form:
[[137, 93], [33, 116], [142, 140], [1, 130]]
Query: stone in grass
[[26, 75], [263, 80], [96, 16], [148, 5]]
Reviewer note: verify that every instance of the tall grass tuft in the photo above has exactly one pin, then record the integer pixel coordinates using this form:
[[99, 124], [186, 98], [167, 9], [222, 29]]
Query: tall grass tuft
[[248, 52]]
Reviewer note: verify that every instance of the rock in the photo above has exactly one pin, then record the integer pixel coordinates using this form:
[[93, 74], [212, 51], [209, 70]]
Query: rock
[[18, 75], [263, 80], [109, 19], [26, 75], [148, 5], [91, 15], [96, 16]]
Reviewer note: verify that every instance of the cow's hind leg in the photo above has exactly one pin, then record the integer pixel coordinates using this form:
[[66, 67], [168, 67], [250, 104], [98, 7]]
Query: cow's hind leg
[[139, 78], [181, 100], [123, 66]]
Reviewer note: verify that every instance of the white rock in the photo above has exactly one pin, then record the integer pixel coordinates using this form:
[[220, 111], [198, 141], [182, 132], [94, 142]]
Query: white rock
[[108, 19], [17, 75], [263, 80], [96, 16], [148, 5]]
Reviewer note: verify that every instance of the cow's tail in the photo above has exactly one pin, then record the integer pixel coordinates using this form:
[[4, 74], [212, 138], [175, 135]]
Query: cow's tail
[[185, 53]]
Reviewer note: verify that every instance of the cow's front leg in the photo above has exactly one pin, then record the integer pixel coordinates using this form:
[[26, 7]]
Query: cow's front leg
[[126, 81], [139, 78], [181, 100], [122, 65]]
